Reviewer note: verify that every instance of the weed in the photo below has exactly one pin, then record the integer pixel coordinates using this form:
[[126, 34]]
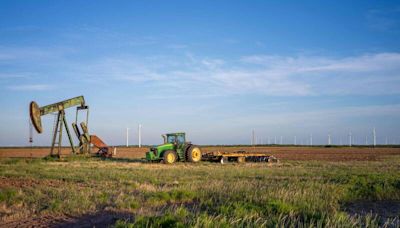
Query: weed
[[8, 195]]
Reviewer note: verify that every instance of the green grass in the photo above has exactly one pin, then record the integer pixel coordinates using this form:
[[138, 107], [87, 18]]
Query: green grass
[[307, 193], [8, 195]]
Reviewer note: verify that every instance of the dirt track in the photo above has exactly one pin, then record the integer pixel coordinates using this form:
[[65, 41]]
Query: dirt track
[[283, 153]]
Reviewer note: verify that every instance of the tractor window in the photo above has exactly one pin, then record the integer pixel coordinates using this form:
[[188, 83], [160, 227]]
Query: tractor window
[[181, 139], [171, 138]]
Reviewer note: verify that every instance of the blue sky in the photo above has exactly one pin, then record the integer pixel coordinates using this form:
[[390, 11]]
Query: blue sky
[[214, 69]]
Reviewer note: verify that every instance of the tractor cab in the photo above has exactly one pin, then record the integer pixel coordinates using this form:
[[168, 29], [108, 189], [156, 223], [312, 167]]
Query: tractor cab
[[175, 138], [174, 148]]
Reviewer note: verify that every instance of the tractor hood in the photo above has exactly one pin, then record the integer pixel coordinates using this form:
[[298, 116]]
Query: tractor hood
[[166, 146]]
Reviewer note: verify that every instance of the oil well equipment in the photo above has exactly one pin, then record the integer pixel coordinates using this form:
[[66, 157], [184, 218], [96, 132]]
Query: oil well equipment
[[85, 140]]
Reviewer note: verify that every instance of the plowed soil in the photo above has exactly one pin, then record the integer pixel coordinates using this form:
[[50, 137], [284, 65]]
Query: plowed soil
[[282, 153]]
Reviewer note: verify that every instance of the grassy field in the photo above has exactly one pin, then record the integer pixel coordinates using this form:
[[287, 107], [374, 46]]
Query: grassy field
[[125, 192]]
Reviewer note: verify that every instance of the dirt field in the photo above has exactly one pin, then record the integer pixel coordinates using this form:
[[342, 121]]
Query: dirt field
[[282, 153]]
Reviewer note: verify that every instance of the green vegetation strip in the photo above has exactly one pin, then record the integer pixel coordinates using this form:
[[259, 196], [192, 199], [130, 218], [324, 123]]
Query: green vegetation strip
[[206, 194]]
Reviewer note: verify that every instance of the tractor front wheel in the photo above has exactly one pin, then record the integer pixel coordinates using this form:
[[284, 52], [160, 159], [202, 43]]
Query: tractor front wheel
[[169, 157], [193, 154]]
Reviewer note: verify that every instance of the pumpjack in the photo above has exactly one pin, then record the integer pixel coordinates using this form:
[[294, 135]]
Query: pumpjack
[[85, 139]]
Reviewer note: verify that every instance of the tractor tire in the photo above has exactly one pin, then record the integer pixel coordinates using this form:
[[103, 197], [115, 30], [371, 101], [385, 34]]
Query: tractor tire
[[169, 157], [193, 154]]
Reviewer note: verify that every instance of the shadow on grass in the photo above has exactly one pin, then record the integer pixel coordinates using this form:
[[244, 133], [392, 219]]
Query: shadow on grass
[[126, 160], [388, 211], [99, 219], [93, 157]]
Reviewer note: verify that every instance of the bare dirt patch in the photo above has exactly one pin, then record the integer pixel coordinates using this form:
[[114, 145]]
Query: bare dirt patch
[[24, 182], [282, 153]]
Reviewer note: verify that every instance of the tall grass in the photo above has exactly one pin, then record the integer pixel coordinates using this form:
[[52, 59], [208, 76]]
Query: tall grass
[[290, 194]]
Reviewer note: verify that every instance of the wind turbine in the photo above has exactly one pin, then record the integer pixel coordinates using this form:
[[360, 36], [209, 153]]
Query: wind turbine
[[140, 135], [329, 139], [127, 137], [350, 138], [252, 137], [374, 134]]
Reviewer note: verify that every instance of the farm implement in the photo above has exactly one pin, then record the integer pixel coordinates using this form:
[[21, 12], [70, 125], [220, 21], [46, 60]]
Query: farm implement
[[176, 148], [85, 139], [239, 156]]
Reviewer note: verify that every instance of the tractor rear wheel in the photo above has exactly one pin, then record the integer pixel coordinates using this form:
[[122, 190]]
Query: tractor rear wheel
[[193, 154], [169, 157]]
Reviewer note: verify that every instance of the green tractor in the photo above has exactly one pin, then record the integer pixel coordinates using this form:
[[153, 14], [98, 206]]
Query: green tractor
[[175, 148]]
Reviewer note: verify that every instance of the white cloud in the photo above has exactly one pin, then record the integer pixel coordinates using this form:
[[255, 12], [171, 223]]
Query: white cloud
[[177, 46], [4, 76], [369, 74], [212, 63], [315, 117], [272, 75], [364, 74], [31, 87], [301, 64], [32, 54]]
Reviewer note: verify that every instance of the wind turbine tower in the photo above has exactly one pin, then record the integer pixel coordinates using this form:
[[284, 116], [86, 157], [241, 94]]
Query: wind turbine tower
[[350, 138], [140, 135], [127, 137], [329, 139], [253, 137], [311, 140], [374, 134]]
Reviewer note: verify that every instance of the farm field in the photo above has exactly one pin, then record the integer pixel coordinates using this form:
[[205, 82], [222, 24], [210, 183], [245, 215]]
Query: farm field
[[316, 186], [283, 153]]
